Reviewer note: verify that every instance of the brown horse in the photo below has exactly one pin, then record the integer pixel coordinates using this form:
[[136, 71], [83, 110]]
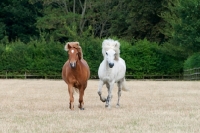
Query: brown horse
[[75, 73]]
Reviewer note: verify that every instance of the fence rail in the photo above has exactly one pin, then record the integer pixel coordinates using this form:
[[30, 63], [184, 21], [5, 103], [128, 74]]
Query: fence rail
[[37, 74], [192, 74], [34, 74], [156, 77]]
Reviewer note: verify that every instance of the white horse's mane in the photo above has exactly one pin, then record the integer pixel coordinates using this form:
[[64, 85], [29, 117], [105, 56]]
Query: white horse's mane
[[111, 44]]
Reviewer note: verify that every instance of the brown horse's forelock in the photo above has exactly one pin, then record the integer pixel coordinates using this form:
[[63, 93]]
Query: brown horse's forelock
[[75, 45]]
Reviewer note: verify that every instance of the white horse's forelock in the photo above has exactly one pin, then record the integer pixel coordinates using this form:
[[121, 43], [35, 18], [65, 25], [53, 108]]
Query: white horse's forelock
[[110, 44]]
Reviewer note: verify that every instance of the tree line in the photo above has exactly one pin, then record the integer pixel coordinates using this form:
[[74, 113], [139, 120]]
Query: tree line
[[158, 37]]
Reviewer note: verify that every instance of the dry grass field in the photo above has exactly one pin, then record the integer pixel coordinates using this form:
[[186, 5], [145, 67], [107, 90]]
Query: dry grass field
[[41, 106]]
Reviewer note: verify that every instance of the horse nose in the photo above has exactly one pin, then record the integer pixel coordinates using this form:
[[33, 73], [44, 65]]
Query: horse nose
[[111, 65], [73, 64]]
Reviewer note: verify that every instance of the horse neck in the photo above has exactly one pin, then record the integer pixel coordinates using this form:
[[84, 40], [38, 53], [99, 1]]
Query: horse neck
[[78, 66]]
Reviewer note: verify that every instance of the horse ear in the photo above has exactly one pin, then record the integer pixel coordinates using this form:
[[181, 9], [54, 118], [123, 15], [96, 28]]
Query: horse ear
[[67, 46], [117, 56], [117, 44]]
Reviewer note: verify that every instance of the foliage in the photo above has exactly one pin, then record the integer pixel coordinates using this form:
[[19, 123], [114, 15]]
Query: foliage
[[92, 53], [146, 58], [140, 19], [36, 55], [192, 61], [17, 19], [186, 32], [156, 36], [125, 19], [170, 16], [48, 57]]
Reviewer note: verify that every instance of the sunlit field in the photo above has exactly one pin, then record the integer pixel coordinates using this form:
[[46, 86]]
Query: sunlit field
[[42, 106]]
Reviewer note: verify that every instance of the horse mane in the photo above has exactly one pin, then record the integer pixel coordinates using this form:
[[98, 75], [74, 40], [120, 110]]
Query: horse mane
[[74, 45], [111, 44]]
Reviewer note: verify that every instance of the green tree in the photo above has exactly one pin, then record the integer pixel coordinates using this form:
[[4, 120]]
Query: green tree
[[62, 20], [2, 30], [139, 19], [170, 16], [186, 37], [17, 19], [69, 20]]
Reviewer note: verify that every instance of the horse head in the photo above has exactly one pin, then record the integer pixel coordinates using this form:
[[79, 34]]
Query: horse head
[[74, 52], [110, 50], [110, 57]]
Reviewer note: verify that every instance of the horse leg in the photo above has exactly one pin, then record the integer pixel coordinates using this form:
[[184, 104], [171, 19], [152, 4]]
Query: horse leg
[[108, 101], [71, 99], [81, 94], [99, 91], [119, 92]]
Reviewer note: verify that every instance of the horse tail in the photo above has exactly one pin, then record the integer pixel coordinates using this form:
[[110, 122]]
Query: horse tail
[[124, 87]]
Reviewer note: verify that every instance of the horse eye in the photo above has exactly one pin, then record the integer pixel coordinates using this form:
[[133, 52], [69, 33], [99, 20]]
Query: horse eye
[[106, 53]]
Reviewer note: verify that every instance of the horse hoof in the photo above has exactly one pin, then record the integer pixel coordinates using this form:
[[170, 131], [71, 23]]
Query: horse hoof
[[82, 109], [117, 106], [99, 93], [107, 106], [104, 100], [71, 108]]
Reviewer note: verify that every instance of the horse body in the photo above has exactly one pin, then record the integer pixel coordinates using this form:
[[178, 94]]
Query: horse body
[[111, 70], [75, 73], [116, 73]]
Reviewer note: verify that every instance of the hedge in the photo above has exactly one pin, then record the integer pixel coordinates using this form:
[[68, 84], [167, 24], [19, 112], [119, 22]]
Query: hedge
[[142, 57]]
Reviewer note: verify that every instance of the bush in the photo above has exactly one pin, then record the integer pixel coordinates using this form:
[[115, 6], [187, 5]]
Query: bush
[[192, 61], [148, 58], [48, 57], [92, 53], [14, 56]]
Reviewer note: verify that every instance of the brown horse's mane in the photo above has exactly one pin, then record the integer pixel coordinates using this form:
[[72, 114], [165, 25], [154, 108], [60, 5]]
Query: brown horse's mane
[[74, 45]]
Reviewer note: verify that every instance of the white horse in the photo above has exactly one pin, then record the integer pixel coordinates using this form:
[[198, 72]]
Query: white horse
[[111, 70]]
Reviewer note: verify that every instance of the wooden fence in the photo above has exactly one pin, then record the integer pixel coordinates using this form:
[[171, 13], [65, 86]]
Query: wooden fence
[[37, 74], [33, 74], [192, 74], [156, 77]]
